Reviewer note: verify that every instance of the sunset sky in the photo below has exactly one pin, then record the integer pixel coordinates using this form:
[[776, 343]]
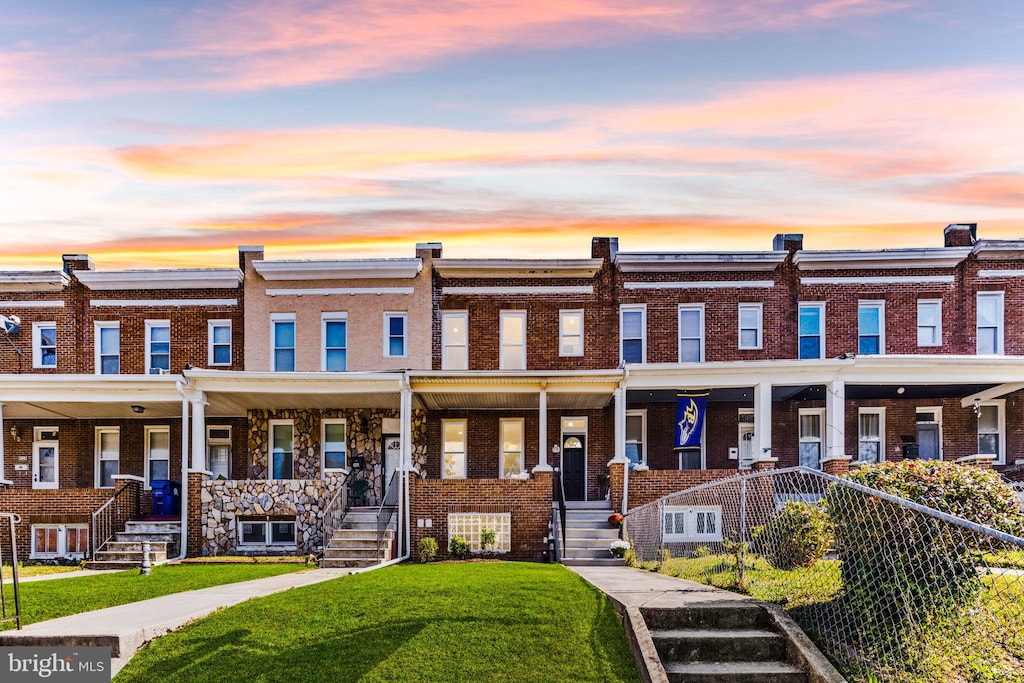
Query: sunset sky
[[166, 133]]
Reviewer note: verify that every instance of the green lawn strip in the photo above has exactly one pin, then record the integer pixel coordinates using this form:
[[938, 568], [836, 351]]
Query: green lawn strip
[[42, 600], [38, 570], [450, 622]]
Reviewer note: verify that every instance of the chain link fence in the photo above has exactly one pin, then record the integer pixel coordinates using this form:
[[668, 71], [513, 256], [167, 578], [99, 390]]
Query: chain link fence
[[889, 589]]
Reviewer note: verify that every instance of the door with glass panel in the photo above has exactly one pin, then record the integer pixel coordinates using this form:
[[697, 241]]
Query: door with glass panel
[[44, 458]]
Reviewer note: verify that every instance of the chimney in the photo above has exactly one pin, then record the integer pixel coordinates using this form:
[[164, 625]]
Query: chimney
[[604, 248], [246, 255], [428, 250], [790, 241], [73, 262], [960, 234]]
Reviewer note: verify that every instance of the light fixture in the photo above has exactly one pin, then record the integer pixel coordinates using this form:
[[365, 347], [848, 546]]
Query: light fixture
[[138, 409], [977, 407], [900, 390], [555, 449], [14, 433]]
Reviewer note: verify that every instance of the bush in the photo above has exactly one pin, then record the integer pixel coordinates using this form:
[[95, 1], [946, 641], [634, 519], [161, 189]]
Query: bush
[[426, 549], [798, 536], [700, 551], [458, 548]]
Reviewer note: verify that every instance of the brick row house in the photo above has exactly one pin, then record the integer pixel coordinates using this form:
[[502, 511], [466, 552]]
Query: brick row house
[[466, 394]]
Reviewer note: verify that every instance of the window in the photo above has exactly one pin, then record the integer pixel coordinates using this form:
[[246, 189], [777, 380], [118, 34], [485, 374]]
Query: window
[[108, 348], [929, 322], [44, 345], [990, 323], [334, 332], [633, 340], [513, 340], [108, 455], [811, 420], [511, 447], [333, 439], [691, 459], [454, 435], [690, 524], [158, 453], [691, 333], [870, 328], [570, 333], [751, 319], [282, 444], [266, 532], [58, 540], [218, 445], [219, 342], [992, 431], [158, 346], [636, 433], [394, 334], [44, 458], [469, 525], [871, 435], [812, 335], [455, 340], [282, 342]]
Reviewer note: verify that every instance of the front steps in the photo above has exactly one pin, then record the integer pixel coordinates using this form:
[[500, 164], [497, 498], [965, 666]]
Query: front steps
[[355, 543], [720, 642], [125, 551], [588, 536]]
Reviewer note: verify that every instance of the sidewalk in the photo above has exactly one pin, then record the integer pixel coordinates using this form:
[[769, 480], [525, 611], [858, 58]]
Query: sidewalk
[[639, 588], [126, 628]]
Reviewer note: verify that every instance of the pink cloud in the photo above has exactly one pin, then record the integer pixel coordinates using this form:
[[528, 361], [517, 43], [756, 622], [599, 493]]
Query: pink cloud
[[988, 190]]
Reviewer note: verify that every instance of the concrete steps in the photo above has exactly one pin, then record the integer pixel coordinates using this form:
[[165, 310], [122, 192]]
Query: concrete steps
[[354, 544], [125, 551], [587, 538]]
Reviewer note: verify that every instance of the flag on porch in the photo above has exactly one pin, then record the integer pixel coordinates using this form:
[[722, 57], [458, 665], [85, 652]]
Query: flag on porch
[[690, 409]]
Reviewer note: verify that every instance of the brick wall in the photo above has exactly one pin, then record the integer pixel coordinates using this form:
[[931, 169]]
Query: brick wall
[[650, 485], [39, 506]]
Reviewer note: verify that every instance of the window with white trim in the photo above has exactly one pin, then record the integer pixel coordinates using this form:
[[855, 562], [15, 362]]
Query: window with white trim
[[454, 340], [468, 525], [334, 333], [570, 333], [44, 345], [218, 342], [513, 340], [218, 449], [636, 436], [512, 461], [990, 323], [59, 540], [870, 328], [453, 435], [811, 422], [158, 346], [333, 437], [633, 333], [108, 347], [929, 322], [395, 329], [871, 435], [282, 342], [812, 330], [262, 532], [691, 333], [992, 430], [692, 524], [158, 453], [108, 455], [751, 322], [282, 447]]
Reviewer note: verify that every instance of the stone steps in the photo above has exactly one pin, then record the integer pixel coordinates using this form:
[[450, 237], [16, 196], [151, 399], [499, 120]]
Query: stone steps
[[125, 551], [588, 537], [734, 672], [354, 544]]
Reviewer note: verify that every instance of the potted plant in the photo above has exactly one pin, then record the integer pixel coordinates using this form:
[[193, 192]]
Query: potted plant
[[618, 548], [615, 519]]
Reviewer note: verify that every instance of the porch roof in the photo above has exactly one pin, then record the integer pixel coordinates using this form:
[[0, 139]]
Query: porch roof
[[89, 396], [514, 390]]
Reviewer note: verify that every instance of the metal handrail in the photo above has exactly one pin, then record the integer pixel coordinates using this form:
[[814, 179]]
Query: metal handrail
[[386, 511], [112, 515], [560, 499], [334, 513], [12, 519]]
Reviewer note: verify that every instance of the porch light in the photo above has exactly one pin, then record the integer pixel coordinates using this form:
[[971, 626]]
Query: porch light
[[138, 409], [977, 407]]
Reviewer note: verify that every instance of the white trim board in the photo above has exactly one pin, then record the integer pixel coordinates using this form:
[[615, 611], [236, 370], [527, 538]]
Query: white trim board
[[125, 303], [32, 304], [526, 289], [339, 290], [703, 284], [1001, 273], [881, 280]]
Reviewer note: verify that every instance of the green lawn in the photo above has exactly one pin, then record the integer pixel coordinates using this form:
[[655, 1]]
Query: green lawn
[[37, 570], [41, 600], [443, 622]]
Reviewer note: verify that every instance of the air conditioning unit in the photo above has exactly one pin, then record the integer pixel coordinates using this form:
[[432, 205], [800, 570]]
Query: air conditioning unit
[[157, 371]]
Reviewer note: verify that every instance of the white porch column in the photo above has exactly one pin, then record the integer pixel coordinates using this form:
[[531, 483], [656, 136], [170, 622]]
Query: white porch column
[[542, 427], [186, 434], [762, 421], [835, 420], [620, 424], [405, 467], [199, 432]]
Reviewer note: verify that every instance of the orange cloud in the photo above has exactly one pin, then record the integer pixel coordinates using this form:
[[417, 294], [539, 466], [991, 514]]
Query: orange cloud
[[991, 189]]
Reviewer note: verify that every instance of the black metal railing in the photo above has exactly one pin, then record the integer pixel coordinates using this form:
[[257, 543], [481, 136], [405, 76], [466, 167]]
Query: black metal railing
[[386, 512], [334, 513], [111, 517], [11, 519], [559, 495]]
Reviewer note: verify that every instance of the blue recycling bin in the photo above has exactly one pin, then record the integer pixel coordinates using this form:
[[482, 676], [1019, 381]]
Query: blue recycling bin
[[166, 497]]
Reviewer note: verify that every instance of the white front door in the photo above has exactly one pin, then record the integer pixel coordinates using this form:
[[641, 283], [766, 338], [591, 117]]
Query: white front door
[[746, 449], [44, 458]]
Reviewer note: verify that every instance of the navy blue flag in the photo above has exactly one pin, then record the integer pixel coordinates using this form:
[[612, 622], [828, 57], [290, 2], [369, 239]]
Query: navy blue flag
[[690, 409]]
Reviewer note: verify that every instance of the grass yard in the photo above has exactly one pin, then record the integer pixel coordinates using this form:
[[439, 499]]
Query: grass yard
[[41, 600], [497, 621], [37, 570]]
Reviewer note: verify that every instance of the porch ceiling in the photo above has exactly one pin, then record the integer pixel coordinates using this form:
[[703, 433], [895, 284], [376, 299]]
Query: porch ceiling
[[101, 410], [237, 403], [499, 400]]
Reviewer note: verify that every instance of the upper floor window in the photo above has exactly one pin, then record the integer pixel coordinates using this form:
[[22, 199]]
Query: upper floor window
[[811, 420], [334, 331], [219, 342], [395, 325], [990, 323], [454, 340], [691, 333], [453, 433], [513, 340], [633, 338], [44, 345], [929, 322], [108, 347], [636, 436], [871, 435], [751, 319], [512, 447], [812, 330], [158, 346], [870, 327], [570, 333], [282, 342]]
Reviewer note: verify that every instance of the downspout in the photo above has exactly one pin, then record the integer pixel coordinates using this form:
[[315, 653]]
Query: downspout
[[185, 437]]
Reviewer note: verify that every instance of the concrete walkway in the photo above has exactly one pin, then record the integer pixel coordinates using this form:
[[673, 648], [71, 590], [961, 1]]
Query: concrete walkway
[[639, 588], [126, 628]]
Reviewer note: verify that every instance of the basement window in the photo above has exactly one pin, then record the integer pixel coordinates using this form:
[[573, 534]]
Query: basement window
[[468, 526], [692, 524], [59, 540], [267, 533]]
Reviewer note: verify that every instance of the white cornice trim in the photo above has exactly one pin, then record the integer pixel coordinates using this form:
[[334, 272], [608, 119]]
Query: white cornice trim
[[991, 250], [184, 278], [33, 280], [153, 303], [683, 262], [349, 269], [880, 280], [31, 304], [702, 284], [518, 268], [850, 259], [538, 290], [330, 291], [1000, 273]]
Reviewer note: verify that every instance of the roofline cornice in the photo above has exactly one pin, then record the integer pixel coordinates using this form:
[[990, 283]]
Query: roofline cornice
[[33, 280], [347, 269], [681, 262], [851, 259], [518, 268], [182, 278]]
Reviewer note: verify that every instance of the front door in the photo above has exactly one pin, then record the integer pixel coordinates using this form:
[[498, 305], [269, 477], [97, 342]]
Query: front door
[[574, 467], [392, 454], [928, 441], [44, 458]]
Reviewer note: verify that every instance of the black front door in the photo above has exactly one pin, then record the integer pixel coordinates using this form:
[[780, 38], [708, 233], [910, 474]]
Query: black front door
[[574, 467]]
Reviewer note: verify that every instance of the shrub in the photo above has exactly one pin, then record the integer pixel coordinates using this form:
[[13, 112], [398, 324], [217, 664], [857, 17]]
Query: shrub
[[458, 548], [798, 536], [488, 538], [700, 551], [426, 549]]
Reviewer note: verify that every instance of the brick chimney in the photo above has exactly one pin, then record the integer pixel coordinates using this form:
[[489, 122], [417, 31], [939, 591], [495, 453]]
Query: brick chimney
[[246, 255], [604, 248], [790, 241], [960, 234], [428, 250], [73, 262]]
